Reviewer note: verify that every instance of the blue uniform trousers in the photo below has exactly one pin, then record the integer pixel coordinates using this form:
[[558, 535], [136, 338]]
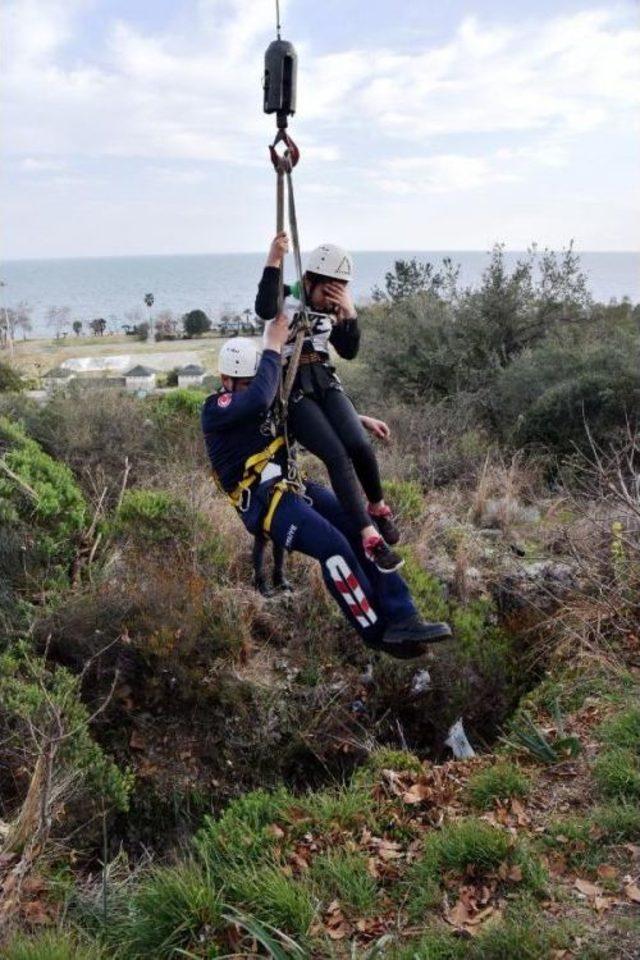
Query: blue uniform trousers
[[320, 528]]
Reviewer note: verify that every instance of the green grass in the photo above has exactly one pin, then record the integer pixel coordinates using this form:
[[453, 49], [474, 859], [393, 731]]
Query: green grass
[[619, 822], [469, 845], [344, 876], [499, 782], [617, 773], [273, 898], [514, 939], [51, 945], [345, 808], [385, 759], [170, 908], [243, 835], [622, 730]]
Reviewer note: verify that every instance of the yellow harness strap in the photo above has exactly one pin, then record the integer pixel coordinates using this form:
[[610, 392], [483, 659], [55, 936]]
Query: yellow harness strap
[[279, 489], [253, 468]]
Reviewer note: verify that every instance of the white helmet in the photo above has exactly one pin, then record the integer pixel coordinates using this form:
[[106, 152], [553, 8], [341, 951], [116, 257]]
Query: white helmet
[[331, 261], [238, 358]]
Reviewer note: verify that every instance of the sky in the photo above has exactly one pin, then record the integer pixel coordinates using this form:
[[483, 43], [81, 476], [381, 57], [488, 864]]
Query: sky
[[137, 127]]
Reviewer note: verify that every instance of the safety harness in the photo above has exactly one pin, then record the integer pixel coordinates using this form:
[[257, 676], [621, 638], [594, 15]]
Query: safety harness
[[252, 476]]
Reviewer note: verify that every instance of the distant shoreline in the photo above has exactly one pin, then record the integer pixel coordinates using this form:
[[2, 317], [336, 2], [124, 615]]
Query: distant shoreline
[[258, 253]]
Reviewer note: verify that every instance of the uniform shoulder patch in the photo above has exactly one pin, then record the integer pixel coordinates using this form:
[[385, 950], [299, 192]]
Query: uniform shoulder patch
[[224, 399]]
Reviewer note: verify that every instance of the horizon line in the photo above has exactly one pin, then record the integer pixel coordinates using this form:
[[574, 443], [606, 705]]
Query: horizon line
[[247, 253]]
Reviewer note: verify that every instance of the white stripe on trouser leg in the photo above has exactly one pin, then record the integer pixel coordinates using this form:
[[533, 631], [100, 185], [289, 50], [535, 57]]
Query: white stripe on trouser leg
[[353, 594]]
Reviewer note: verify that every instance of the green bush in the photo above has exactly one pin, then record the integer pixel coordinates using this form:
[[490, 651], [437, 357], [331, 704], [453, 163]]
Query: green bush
[[42, 706], [547, 395], [153, 515], [10, 378], [406, 498], [40, 500], [185, 402]]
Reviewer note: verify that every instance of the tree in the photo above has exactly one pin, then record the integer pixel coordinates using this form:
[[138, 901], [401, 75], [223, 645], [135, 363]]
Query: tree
[[58, 318], [166, 325], [410, 277], [98, 326], [195, 323], [142, 330], [77, 327], [21, 318]]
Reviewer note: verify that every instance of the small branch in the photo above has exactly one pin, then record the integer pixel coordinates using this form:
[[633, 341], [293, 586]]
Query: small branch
[[21, 483]]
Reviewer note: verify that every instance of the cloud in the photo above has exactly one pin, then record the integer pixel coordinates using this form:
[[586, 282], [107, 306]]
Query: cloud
[[194, 94]]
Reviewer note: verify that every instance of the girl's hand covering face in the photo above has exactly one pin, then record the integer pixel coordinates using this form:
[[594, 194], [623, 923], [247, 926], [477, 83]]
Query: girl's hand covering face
[[337, 294]]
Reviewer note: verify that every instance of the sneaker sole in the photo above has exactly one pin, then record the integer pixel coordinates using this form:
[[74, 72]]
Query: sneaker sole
[[389, 570]]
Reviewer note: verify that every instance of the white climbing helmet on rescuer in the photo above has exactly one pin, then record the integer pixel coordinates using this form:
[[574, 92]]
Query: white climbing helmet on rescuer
[[332, 261], [238, 357]]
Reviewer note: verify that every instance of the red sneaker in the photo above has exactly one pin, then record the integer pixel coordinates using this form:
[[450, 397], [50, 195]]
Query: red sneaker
[[378, 552], [385, 522]]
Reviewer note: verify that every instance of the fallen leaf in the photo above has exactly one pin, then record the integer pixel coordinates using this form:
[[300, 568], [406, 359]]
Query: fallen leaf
[[632, 891], [606, 871], [602, 903], [587, 888], [275, 831], [137, 741], [417, 793]]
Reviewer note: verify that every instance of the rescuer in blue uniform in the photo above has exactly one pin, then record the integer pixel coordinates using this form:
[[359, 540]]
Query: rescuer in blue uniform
[[250, 464]]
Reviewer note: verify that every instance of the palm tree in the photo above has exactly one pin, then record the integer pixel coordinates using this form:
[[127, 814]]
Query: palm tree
[[149, 299]]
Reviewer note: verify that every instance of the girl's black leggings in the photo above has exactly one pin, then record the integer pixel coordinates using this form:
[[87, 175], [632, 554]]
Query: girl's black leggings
[[331, 429]]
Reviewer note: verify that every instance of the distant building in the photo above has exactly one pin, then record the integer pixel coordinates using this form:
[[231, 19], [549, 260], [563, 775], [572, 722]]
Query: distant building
[[140, 378], [192, 375], [56, 378]]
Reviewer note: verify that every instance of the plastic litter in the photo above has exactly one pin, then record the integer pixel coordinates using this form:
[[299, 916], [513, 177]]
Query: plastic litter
[[457, 740], [421, 682]]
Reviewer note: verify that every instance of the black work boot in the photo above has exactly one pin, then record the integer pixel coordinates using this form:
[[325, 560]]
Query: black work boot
[[415, 630]]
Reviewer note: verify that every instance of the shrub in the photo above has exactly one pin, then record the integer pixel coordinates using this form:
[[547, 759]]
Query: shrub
[[10, 379], [40, 500], [406, 497], [546, 395], [153, 515], [498, 782], [184, 403]]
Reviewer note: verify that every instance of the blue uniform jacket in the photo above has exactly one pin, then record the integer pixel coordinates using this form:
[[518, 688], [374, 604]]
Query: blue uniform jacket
[[233, 423]]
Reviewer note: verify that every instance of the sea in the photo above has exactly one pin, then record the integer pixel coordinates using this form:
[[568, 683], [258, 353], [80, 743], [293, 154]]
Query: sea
[[115, 287]]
